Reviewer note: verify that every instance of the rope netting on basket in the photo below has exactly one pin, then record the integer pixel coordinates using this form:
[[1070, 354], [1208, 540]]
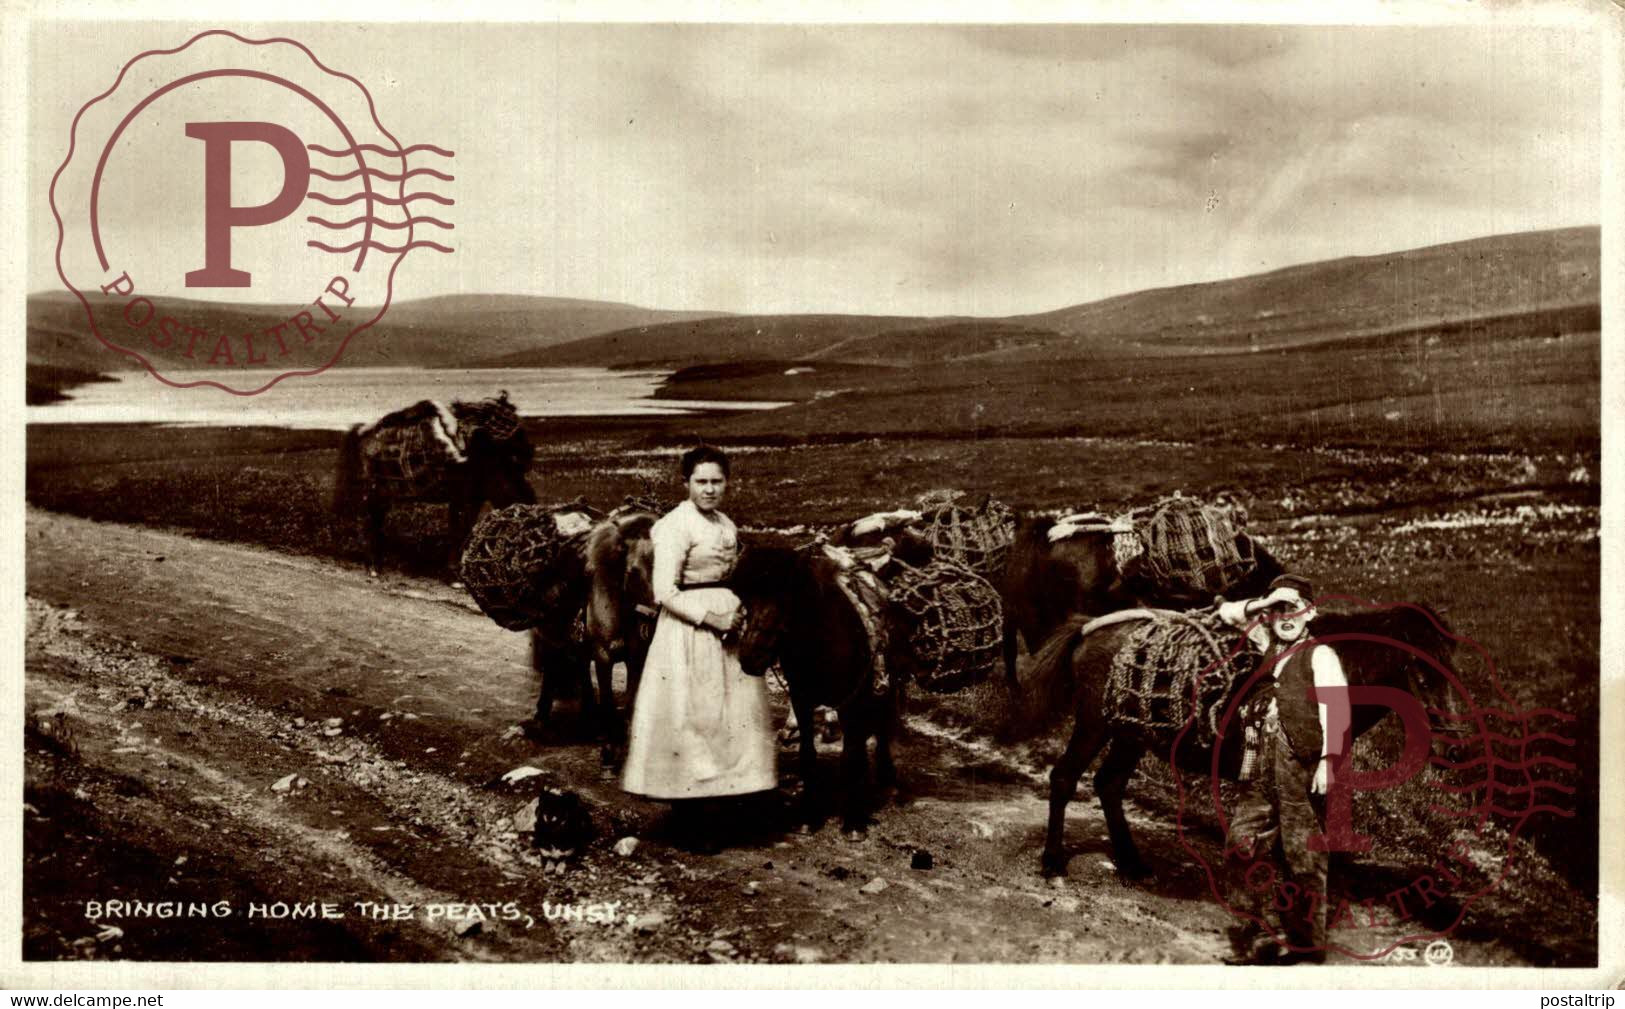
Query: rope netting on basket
[[955, 623], [410, 459], [1194, 547], [498, 418], [1174, 667], [508, 562], [979, 538]]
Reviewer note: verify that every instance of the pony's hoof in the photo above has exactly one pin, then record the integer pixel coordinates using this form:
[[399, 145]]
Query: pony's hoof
[[805, 829], [857, 835], [372, 572], [1133, 870], [1054, 866], [533, 729], [456, 585]]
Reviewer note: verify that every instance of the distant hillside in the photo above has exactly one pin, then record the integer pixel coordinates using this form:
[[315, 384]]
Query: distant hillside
[[452, 331], [1504, 277], [484, 326], [1533, 283], [726, 339], [1498, 276]]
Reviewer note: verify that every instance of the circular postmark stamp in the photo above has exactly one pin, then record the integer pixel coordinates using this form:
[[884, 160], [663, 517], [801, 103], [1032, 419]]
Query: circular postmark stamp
[[231, 212], [1453, 781]]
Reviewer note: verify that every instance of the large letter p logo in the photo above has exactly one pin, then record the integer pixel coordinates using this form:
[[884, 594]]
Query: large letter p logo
[[219, 215], [1345, 781]]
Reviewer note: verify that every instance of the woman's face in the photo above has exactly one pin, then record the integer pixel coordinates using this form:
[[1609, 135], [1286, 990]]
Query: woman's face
[[706, 485]]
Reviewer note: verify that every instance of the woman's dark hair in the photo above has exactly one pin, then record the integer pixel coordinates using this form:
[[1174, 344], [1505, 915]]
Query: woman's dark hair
[[694, 457]]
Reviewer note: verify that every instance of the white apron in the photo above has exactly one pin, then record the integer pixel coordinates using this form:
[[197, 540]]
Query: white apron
[[700, 726]]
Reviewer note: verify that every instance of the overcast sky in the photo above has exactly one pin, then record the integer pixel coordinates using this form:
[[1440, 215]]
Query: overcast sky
[[925, 169]]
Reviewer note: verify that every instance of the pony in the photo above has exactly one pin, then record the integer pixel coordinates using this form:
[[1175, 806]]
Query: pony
[[599, 585], [1073, 673], [1046, 583], [490, 470], [798, 616]]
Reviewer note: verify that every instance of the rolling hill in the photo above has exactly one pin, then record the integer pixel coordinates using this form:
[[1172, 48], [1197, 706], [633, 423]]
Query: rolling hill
[[450, 331], [1533, 283], [1539, 275]]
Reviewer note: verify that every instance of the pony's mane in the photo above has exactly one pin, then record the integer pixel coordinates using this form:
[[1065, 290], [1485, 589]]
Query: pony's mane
[[606, 542], [1034, 528], [761, 568], [1410, 622]]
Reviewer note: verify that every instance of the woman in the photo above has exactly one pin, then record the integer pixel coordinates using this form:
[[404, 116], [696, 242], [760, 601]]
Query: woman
[[700, 726]]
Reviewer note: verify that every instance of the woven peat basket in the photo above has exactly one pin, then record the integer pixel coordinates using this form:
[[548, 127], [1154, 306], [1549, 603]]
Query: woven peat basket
[[978, 538], [1174, 671], [955, 624], [1192, 548], [508, 561], [410, 460], [498, 418]]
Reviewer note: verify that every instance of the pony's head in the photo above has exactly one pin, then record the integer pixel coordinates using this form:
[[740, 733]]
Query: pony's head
[[769, 581], [632, 530], [500, 466], [1414, 650]]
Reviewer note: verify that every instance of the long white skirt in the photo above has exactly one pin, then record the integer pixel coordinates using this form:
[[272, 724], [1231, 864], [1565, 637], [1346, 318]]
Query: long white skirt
[[700, 726]]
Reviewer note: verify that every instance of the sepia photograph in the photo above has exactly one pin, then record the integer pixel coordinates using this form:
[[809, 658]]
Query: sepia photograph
[[786, 493]]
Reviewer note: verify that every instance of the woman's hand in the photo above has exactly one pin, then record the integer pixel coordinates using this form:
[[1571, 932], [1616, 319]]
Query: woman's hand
[[724, 625]]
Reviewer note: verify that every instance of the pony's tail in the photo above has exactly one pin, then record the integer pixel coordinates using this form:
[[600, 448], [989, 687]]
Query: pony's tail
[[347, 484], [1047, 695]]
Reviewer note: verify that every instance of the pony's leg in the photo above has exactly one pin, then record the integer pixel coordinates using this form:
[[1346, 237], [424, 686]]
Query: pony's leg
[[590, 715], [609, 716], [856, 730], [545, 698], [373, 510], [637, 653], [1010, 656], [1111, 783], [809, 762], [885, 731], [1087, 738], [459, 523]]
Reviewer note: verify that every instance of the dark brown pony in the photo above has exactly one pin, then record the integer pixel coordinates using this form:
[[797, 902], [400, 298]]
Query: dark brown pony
[[1045, 584], [798, 616], [594, 620], [492, 471], [1072, 673]]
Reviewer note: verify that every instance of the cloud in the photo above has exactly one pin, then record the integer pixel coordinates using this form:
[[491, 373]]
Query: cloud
[[950, 170]]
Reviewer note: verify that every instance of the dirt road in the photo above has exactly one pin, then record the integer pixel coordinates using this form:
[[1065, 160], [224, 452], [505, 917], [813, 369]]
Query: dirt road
[[175, 685]]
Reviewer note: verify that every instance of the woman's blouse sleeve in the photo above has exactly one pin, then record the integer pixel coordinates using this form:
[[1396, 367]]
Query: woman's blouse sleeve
[[671, 543]]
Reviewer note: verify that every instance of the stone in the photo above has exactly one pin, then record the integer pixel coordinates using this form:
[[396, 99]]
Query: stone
[[921, 859], [876, 885], [721, 947], [520, 773], [284, 784], [524, 821], [798, 953], [626, 846]]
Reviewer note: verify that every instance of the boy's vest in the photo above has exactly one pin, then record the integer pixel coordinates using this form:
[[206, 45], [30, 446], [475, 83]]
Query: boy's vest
[[1297, 715]]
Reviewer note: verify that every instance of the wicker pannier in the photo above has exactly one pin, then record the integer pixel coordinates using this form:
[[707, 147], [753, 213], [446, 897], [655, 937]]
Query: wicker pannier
[[509, 562], [954, 623]]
